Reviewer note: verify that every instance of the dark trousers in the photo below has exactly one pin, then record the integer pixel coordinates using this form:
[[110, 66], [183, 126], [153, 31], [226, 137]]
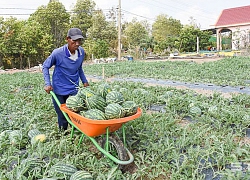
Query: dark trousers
[[62, 122]]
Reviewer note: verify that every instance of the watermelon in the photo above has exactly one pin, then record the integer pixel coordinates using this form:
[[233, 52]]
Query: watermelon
[[75, 103], [32, 164], [33, 132], [114, 97], [130, 108], [103, 89], [95, 114], [114, 111], [15, 137], [168, 94], [35, 135], [82, 113], [123, 90], [165, 97], [81, 175], [116, 87], [38, 138], [96, 102], [62, 168], [195, 110], [85, 93], [144, 92], [137, 91]]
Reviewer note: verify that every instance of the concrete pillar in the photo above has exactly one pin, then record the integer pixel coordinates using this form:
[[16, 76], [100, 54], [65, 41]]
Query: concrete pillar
[[218, 38]]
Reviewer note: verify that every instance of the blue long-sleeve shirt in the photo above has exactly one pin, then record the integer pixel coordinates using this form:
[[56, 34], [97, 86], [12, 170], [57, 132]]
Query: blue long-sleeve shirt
[[66, 74]]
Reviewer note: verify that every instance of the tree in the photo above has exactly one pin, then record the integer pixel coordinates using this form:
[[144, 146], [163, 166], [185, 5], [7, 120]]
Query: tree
[[103, 30], [9, 45], [1, 38], [165, 31], [34, 43], [187, 41], [100, 48], [136, 35], [54, 19], [82, 15]]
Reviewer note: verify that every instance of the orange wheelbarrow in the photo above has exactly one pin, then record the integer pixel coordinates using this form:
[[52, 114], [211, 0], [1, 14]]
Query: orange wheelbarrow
[[112, 147]]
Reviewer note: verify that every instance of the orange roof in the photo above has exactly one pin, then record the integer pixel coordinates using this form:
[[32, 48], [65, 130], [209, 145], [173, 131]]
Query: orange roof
[[232, 16]]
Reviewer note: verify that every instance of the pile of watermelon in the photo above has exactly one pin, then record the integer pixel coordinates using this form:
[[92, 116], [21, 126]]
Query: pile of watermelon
[[101, 104]]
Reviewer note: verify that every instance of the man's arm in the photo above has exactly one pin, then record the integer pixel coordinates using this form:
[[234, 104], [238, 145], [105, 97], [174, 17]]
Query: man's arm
[[48, 63]]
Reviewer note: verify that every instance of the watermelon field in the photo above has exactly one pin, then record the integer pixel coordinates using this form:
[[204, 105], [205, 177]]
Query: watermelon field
[[180, 134]]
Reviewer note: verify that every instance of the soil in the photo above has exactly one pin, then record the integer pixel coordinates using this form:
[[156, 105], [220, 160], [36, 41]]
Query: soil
[[37, 69], [131, 168]]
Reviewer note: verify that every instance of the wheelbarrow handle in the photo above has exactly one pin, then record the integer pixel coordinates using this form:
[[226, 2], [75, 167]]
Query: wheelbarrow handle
[[55, 98], [65, 114]]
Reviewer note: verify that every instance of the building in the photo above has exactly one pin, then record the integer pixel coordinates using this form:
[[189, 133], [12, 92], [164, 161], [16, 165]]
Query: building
[[237, 22]]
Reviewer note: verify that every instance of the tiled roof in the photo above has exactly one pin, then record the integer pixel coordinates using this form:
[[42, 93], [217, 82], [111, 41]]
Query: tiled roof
[[238, 15]]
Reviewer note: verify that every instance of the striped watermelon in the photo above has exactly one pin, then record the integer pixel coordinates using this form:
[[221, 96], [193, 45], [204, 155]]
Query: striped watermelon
[[82, 113], [130, 108], [124, 90], [165, 97], [114, 111], [32, 164], [75, 103], [15, 137], [137, 91], [38, 138], [62, 168], [116, 87], [195, 110], [103, 89], [81, 175], [95, 114], [114, 97], [85, 93], [33, 132], [96, 102]]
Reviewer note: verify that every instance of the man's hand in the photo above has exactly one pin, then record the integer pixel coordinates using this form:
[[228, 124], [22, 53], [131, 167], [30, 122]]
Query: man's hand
[[48, 89], [85, 84]]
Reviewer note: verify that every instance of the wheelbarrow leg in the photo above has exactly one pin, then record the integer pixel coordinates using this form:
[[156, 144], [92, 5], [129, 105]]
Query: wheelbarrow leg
[[80, 141], [72, 132]]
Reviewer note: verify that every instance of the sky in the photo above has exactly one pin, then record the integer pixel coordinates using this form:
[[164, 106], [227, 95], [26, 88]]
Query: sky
[[204, 12]]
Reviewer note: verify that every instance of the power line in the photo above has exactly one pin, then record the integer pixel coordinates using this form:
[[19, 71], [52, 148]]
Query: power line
[[19, 8], [138, 15], [164, 5], [25, 14], [177, 7]]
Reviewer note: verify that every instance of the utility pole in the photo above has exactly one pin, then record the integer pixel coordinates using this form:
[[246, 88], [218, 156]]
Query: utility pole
[[119, 31], [198, 46]]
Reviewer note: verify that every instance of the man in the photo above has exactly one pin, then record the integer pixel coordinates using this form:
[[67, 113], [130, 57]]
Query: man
[[67, 61]]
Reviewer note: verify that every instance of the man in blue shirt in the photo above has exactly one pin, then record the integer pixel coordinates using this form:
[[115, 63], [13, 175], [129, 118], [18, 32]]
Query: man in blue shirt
[[67, 61]]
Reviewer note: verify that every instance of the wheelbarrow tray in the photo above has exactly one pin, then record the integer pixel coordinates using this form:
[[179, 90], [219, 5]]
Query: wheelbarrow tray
[[94, 128]]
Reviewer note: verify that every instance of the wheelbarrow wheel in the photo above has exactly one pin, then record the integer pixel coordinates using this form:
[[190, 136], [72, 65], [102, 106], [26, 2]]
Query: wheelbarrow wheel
[[117, 149]]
